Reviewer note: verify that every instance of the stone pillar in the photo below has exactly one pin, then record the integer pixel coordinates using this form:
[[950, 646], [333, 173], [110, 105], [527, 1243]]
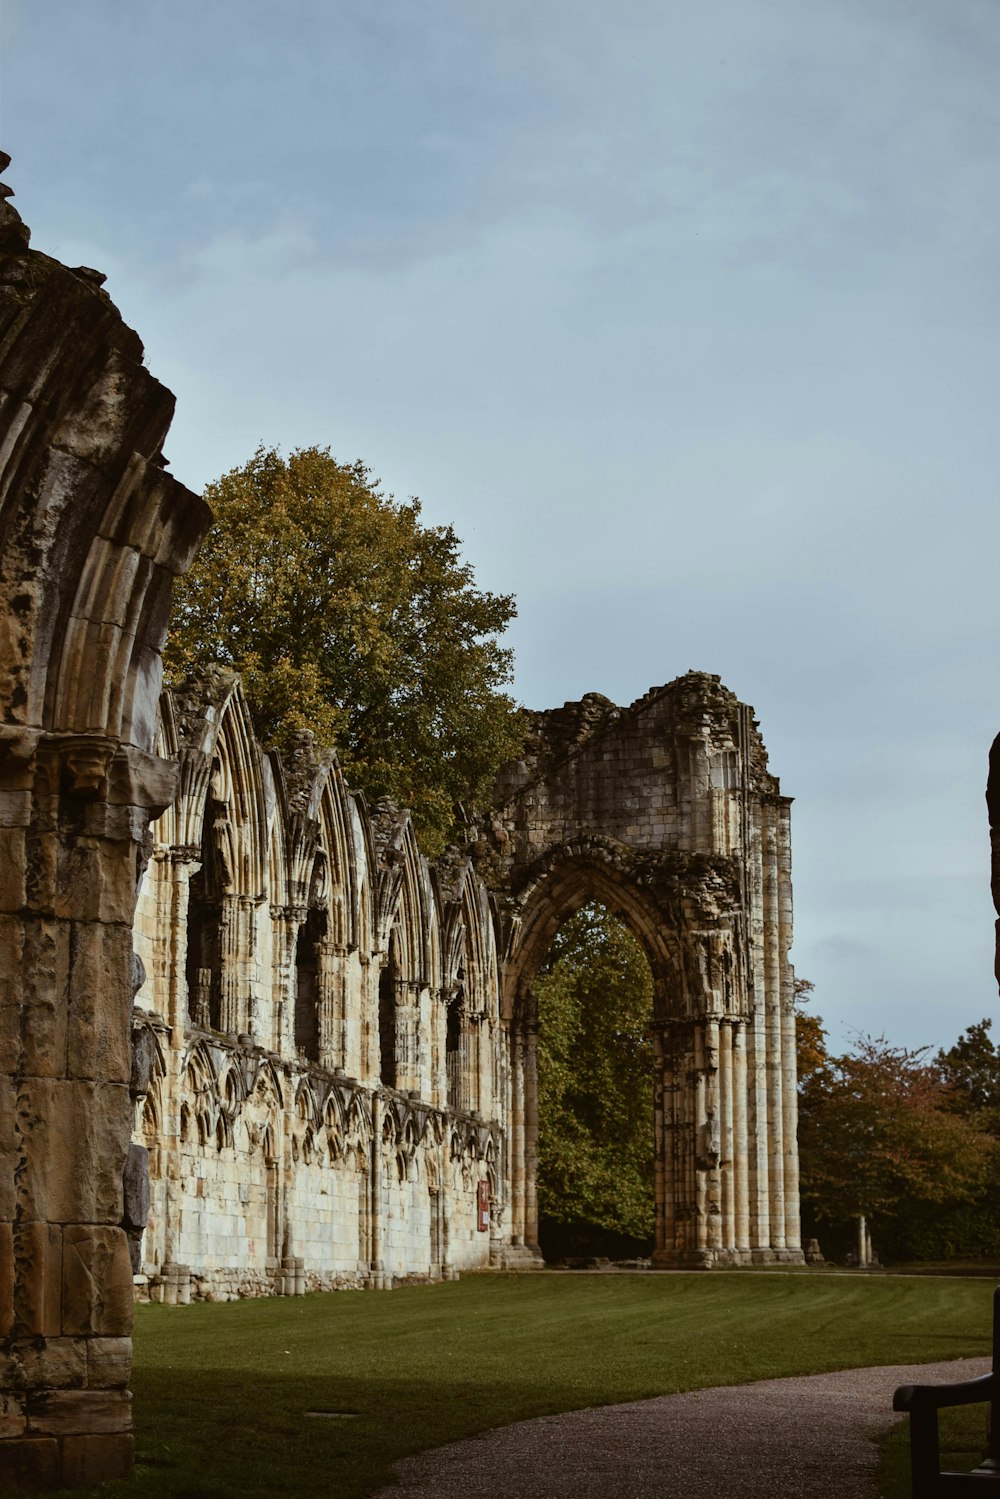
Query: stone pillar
[[407, 1019], [180, 863], [517, 1198], [687, 1136], [531, 1138], [283, 1007], [789, 1055], [70, 848], [662, 1176], [772, 982], [94, 530], [330, 1019], [741, 1161], [728, 1161]]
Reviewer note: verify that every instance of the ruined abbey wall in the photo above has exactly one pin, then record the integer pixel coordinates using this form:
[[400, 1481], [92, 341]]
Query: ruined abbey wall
[[666, 811], [326, 1099], [328, 1073]]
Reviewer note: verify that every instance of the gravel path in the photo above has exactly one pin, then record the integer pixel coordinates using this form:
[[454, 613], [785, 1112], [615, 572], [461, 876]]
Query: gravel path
[[777, 1439]]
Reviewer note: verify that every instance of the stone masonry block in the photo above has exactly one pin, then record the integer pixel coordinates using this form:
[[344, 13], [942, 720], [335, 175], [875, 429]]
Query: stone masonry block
[[61, 1413], [109, 1363], [10, 1156], [55, 1364], [100, 1002], [75, 1138], [96, 881], [13, 1421], [97, 1282], [31, 1461], [6, 1278], [89, 1460], [43, 872], [13, 870], [37, 1253], [45, 976]]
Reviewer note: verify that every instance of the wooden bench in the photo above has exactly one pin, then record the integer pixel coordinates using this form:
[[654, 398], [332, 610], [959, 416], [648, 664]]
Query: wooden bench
[[923, 1401]]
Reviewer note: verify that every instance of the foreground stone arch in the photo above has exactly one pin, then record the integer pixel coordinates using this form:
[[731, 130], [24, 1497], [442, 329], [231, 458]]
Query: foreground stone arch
[[667, 813], [92, 530]]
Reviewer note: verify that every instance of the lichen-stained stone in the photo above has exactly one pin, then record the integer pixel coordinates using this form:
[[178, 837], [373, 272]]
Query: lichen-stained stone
[[55, 1363], [93, 530], [13, 1420], [109, 1362], [6, 1280], [96, 1282], [82, 1184], [37, 1294], [99, 1032], [65, 1412]]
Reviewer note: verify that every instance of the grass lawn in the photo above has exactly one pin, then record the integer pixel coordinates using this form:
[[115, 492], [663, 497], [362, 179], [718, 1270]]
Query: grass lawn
[[222, 1391]]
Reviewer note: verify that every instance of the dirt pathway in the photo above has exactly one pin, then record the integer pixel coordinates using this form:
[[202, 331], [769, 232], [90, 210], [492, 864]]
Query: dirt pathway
[[777, 1439]]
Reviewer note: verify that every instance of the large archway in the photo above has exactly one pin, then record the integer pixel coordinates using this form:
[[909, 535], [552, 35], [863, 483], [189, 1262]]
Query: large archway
[[665, 813], [594, 1002]]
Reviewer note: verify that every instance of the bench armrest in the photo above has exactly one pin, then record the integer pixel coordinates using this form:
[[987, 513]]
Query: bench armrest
[[928, 1397]]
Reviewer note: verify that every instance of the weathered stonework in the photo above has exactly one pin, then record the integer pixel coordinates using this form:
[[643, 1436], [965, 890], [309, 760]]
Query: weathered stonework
[[326, 1093], [667, 813], [329, 1072], [344, 1036], [93, 530]]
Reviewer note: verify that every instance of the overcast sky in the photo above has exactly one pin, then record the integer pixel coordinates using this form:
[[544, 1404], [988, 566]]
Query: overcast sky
[[685, 316]]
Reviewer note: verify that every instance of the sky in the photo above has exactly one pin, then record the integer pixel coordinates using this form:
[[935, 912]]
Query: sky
[[685, 317]]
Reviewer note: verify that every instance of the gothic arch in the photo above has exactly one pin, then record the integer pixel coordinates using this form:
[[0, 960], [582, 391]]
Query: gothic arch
[[665, 812]]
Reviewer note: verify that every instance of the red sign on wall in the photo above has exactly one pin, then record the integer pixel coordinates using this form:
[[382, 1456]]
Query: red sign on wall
[[484, 1206]]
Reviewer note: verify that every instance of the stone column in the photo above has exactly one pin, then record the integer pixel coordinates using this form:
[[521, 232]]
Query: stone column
[[772, 980], [407, 1017], [740, 1146], [330, 1019], [728, 1161], [789, 1057], [517, 1226], [170, 990], [662, 1176], [531, 1137], [73, 816]]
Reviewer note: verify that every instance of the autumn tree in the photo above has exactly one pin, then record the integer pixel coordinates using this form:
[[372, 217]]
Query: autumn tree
[[595, 1069], [345, 615], [878, 1140]]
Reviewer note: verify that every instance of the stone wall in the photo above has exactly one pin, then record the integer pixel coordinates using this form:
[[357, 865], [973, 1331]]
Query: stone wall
[[321, 1005], [332, 1056], [93, 529], [666, 811]]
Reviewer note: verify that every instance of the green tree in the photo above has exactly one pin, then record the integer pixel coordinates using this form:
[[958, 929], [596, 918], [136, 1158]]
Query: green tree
[[971, 1071], [878, 1139], [347, 616], [595, 1069]]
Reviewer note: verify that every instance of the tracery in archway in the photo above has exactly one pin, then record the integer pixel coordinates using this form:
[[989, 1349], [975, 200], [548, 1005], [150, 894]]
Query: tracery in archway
[[594, 995]]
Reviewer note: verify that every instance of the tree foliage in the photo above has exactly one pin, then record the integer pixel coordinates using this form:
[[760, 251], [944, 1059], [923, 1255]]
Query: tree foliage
[[880, 1137], [347, 616], [595, 1068]]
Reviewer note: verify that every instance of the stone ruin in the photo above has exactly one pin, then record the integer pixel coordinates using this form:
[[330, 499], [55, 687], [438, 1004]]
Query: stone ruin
[[329, 1073], [93, 530]]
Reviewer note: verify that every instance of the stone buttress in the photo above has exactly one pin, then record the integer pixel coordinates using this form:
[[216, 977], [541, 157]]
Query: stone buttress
[[93, 530]]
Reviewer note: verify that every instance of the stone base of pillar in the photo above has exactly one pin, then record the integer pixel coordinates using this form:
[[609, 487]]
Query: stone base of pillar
[[723, 1259], [778, 1257], [68, 1461], [521, 1257]]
